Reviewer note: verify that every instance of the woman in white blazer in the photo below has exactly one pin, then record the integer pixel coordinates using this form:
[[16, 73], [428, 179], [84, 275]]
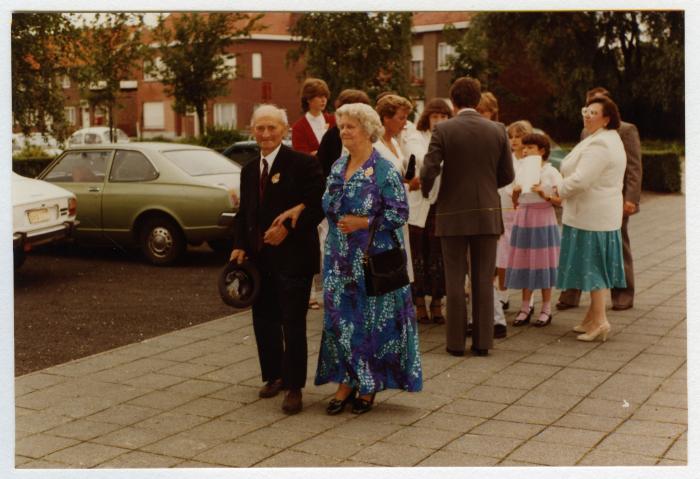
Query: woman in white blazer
[[591, 247], [426, 253]]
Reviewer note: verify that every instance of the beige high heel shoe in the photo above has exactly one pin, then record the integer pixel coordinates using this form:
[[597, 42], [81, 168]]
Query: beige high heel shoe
[[578, 328], [603, 330]]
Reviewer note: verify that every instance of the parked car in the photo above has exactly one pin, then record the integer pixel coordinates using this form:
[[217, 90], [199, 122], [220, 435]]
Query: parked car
[[243, 152], [41, 213], [159, 196], [50, 145], [96, 135]]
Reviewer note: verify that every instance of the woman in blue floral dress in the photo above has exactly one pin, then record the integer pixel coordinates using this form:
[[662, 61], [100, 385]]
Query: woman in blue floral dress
[[369, 343]]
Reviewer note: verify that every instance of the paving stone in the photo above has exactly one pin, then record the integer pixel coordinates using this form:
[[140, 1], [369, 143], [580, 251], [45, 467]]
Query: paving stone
[[536, 370], [668, 399], [678, 386], [449, 422], [469, 407], [182, 445], [596, 364], [566, 347], [43, 464], [38, 380], [222, 430], [630, 387], [237, 393], [329, 445], [606, 408], [83, 429], [588, 422], [297, 459], [130, 438], [276, 437], [40, 445], [495, 394], [653, 364], [549, 359], [123, 414], [236, 454], [670, 462], [516, 430], [504, 380], [262, 412], [85, 455], [194, 465], [652, 428], [679, 450], [360, 431], [559, 402], [313, 419], [170, 423], [196, 387], [422, 437], [643, 445], [154, 381], [616, 458], [570, 436], [163, 400], [490, 446], [661, 414], [139, 459], [235, 373], [424, 400], [548, 454], [445, 384], [529, 415], [207, 407], [385, 454], [456, 459], [40, 421]]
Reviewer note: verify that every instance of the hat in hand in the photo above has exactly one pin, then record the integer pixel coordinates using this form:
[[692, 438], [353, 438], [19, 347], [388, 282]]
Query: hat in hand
[[239, 284]]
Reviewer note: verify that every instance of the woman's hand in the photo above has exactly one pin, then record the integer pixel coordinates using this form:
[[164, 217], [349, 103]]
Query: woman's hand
[[292, 214], [414, 183], [538, 189], [349, 223]]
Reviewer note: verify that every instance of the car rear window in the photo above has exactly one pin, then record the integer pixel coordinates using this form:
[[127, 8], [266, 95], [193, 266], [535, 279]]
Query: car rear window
[[201, 162]]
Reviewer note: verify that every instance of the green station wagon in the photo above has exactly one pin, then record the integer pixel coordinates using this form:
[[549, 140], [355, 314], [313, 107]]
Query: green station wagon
[[159, 196]]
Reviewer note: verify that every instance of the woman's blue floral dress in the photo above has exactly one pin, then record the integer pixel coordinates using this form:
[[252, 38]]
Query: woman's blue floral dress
[[369, 343]]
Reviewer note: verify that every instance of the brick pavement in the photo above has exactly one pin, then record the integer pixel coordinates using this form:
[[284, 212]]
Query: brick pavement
[[189, 398]]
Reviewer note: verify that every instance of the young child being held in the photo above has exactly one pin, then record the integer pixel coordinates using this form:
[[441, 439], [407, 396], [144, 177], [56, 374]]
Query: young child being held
[[535, 239]]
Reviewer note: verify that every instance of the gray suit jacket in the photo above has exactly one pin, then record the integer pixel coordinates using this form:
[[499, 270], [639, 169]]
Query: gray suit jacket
[[475, 159], [632, 183]]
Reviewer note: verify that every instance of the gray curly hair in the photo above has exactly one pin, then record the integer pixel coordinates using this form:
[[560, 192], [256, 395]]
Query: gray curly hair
[[365, 116]]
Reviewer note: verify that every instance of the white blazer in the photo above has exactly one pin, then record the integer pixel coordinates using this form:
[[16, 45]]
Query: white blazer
[[592, 188]]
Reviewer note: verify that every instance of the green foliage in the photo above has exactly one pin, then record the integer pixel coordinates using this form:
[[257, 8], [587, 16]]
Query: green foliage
[[110, 49], [368, 51], [30, 167], [31, 151], [216, 138], [192, 47], [661, 172], [41, 46], [540, 65]]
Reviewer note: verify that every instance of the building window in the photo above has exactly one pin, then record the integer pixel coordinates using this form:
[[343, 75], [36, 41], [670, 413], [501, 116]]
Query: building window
[[69, 113], [417, 64], [445, 51], [65, 82], [257, 65], [230, 66], [153, 71], [225, 115], [154, 115]]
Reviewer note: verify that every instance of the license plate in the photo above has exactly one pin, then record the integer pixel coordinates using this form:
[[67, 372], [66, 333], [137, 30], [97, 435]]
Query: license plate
[[40, 215]]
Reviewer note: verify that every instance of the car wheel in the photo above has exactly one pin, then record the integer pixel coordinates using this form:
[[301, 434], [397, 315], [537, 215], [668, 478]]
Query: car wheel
[[221, 246], [19, 257], [162, 241]]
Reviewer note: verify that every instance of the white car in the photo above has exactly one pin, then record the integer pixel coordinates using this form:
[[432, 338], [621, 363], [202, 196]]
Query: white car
[[48, 143], [41, 213], [97, 135]]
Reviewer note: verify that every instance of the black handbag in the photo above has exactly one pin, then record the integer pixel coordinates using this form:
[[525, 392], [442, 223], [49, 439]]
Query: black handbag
[[385, 271]]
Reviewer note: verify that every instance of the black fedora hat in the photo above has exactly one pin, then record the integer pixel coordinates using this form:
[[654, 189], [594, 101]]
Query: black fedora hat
[[239, 284]]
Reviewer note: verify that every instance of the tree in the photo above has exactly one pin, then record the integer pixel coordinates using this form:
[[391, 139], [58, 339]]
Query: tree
[[41, 55], [110, 50], [369, 51], [191, 48]]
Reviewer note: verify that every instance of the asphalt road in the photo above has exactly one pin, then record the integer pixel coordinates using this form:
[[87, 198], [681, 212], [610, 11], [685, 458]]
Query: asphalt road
[[72, 302]]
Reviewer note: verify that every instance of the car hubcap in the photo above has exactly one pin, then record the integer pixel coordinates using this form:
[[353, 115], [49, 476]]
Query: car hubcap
[[160, 241]]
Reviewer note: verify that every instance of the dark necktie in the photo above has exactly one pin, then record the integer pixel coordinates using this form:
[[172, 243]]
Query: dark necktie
[[263, 178]]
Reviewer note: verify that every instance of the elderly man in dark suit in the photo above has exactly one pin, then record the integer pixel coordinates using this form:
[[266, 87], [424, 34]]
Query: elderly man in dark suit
[[474, 157], [286, 256], [622, 298]]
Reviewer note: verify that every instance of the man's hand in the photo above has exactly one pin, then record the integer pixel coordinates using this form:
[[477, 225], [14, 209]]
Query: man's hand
[[628, 208], [237, 255], [349, 223], [275, 235], [292, 213]]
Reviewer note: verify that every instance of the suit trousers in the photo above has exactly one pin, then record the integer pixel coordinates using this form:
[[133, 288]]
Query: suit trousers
[[279, 322], [620, 296], [481, 251]]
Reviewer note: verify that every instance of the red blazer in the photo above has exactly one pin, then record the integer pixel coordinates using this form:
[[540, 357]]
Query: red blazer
[[303, 137]]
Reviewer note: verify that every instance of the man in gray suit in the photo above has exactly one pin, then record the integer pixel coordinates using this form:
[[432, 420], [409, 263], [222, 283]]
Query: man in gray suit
[[622, 298], [474, 157]]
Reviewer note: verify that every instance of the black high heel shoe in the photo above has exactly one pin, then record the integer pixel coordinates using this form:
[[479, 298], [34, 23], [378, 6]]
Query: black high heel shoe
[[336, 406], [361, 406]]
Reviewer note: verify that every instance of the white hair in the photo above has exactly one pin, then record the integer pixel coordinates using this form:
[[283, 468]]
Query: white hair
[[268, 109], [365, 115]]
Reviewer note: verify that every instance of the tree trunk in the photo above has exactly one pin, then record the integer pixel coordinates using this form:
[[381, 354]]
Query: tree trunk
[[200, 119]]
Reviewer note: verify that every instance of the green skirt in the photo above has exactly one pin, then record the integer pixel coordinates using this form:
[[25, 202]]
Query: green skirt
[[590, 260]]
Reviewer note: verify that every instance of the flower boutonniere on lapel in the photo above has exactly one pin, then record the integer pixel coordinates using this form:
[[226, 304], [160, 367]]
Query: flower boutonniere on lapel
[[369, 172], [275, 178]]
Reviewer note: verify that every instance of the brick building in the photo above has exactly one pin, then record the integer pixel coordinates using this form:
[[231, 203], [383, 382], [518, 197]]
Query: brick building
[[261, 76]]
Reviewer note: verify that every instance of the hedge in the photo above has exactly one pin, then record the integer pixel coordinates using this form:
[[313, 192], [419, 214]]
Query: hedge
[[30, 167], [661, 171]]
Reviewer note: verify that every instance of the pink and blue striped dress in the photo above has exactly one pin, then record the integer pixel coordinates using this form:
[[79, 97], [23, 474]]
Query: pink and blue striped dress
[[535, 239]]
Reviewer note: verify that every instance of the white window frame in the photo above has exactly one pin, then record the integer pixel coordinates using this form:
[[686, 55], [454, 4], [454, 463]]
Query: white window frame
[[154, 115], [417, 62], [65, 82], [443, 52], [225, 118], [256, 65]]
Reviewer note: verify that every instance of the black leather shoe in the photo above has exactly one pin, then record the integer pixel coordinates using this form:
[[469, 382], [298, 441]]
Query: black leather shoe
[[500, 331], [562, 306], [270, 389], [454, 352], [479, 352], [336, 406], [361, 406], [292, 402]]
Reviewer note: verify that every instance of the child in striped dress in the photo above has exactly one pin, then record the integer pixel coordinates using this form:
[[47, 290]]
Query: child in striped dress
[[535, 238]]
